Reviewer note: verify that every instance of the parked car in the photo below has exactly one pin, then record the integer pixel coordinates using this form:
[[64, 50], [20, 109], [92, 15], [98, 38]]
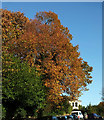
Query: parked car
[[94, 116], [77, 114], [100, 117], [75, 117], [70, 117]]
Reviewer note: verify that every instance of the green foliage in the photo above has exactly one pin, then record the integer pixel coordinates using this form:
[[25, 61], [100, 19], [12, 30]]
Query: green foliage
[[58, 109], [82, 108], [3, 112], [69, 109], [20, 113], [98, 109], [91, 109], [22, 85]]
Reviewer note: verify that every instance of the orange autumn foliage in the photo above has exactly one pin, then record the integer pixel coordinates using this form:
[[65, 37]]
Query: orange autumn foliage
[[45, 43], [13, 24]]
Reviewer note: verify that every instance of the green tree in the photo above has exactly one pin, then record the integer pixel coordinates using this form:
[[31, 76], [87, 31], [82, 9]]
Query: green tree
[[82, 108], [89, 108], [22, 87], [100, 109], [58, 108]]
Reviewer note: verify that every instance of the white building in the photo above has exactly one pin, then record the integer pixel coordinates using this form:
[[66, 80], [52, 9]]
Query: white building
[[75, 104]]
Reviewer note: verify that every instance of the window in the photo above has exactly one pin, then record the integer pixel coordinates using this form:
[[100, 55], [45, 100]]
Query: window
[[80, 113], [75, 113], [73, 104], [76, 104]]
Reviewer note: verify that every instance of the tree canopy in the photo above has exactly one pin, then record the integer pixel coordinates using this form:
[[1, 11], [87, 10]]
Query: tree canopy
[[46, 45], [40, 65]]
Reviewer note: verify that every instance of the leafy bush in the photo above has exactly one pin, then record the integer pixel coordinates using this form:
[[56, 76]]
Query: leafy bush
[[20, 113], [22, 86], [3, 113]]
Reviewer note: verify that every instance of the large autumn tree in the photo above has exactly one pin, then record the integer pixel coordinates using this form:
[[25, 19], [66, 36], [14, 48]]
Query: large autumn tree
[[45, 43]]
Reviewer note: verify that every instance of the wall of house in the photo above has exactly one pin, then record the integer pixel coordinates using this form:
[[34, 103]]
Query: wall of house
[[75, 104]]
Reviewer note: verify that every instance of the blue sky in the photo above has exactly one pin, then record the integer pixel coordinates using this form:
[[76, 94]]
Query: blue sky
[[84, 20]]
